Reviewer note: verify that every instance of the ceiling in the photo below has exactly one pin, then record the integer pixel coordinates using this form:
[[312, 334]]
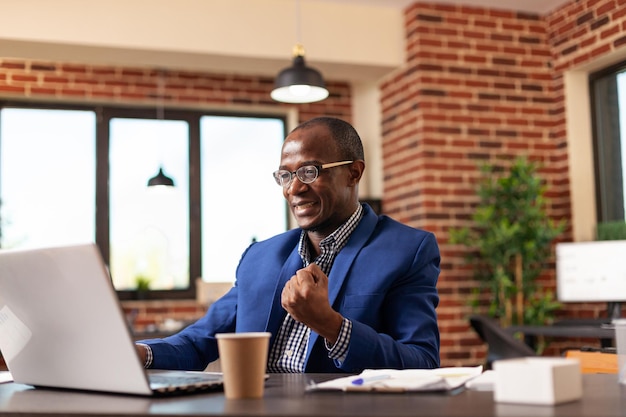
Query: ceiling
[[118, 32], [530, 6]]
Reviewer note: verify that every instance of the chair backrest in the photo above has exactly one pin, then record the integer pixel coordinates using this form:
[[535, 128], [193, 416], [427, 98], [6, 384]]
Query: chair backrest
[[500, 343]]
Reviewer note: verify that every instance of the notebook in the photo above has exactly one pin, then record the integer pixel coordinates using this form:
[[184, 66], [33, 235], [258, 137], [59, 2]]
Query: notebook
[[62, 326]]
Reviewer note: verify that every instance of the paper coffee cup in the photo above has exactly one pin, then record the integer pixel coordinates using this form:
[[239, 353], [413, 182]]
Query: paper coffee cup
[[243, 357]]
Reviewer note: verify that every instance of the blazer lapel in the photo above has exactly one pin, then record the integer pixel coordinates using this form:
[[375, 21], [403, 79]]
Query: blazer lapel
[[347, 255], [277, 313], [345, 258]]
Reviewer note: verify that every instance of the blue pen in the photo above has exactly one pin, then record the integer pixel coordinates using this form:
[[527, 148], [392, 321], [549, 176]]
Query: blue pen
[[367, 380]]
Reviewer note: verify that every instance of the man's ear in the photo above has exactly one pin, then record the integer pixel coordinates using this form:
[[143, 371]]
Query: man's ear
[[356, 171]]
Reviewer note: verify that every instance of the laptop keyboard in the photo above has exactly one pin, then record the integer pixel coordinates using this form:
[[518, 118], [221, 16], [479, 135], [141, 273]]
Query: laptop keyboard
[[173, 381]]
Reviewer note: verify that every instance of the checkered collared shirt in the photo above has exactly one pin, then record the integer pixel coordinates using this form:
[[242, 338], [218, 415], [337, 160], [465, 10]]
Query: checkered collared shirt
[[289, 349]]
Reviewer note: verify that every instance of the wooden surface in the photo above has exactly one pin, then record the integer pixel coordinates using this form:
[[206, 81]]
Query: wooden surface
[[285, 396], [594, 362]]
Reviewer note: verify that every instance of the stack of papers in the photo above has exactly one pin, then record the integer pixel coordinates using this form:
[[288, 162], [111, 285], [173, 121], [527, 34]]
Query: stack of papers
[[405, 380], [483, 382]]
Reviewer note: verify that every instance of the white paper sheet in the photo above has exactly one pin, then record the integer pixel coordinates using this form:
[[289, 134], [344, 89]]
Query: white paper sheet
[[405, 380], [483, 382]]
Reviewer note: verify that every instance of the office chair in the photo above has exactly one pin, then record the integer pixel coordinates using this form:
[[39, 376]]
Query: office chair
[[500, 343]]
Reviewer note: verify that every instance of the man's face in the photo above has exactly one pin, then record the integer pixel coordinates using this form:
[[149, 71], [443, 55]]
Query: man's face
[[326, 203]]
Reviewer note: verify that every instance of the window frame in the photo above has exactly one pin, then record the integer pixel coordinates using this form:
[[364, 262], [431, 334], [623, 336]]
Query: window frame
[[604, 212], [104, 114]]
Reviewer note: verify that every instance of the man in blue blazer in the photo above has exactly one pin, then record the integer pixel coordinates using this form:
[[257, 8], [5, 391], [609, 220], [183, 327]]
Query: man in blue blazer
[[345, 291]]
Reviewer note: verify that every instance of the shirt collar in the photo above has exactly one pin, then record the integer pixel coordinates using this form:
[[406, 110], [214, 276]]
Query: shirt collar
[[332, 243]]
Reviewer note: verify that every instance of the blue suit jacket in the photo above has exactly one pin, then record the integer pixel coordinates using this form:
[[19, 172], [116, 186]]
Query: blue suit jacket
[[383, 280]]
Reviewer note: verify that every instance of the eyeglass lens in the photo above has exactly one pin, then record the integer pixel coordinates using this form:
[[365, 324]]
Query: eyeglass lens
[[306, 174]]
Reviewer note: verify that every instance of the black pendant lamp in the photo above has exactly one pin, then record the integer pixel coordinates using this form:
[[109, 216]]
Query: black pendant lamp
[[299, 83], [160, 178]]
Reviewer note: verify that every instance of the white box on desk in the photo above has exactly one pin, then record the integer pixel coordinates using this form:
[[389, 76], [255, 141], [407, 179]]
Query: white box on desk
[[541, 380]]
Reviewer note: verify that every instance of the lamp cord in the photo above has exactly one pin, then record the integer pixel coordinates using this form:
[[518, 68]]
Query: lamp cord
[[160, 110], [298, 29], [298, 49], [160, 92]]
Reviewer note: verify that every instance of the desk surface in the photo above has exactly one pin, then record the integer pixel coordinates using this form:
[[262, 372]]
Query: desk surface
[[285, 396]]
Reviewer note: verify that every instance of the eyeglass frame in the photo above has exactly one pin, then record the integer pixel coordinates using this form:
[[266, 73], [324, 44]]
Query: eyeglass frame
[[294, 174]]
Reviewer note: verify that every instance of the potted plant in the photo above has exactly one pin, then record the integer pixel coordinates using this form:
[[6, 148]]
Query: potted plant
[[142, 286], [511, 240], [611, 230]]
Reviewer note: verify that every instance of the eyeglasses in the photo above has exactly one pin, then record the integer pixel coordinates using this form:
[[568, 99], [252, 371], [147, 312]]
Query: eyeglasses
[[306, 174]]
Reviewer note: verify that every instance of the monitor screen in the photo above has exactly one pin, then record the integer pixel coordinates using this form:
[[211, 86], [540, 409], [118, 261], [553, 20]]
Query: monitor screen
[[591, 271]]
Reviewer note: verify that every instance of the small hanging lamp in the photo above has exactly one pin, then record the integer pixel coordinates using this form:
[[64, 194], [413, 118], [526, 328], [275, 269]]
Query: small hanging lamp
[[299, 83], [160, 178]]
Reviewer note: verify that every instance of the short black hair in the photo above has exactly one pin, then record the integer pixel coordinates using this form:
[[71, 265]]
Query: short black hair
[[344, 134]]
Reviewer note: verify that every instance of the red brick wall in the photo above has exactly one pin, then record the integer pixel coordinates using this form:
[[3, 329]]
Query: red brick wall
[[75, 82], [152, 316], [481, 85]]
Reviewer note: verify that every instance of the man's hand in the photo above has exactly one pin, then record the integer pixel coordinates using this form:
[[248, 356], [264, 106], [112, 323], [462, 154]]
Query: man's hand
[[305, 297]]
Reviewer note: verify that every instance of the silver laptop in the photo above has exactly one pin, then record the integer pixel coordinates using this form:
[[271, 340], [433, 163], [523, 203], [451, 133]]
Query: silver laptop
[[62, 326]]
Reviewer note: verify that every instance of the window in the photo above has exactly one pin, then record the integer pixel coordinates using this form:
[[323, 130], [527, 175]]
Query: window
[[43, 201], [608, 92], [149, 226], [237, 157], [78, 175]]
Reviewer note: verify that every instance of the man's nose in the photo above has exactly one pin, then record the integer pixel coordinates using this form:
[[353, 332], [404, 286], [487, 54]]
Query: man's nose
[[296, 185]]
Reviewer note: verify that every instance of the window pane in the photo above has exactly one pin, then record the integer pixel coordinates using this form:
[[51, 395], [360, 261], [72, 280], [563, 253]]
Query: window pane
[[609, 113], [47, 177], [240, 200], [149, 226]]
